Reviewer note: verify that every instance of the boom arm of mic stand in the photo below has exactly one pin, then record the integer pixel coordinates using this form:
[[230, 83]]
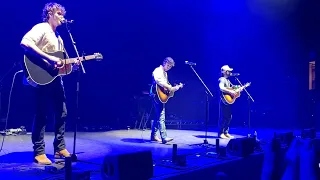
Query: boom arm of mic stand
[[207, 90], [245, 89], [75, 48]]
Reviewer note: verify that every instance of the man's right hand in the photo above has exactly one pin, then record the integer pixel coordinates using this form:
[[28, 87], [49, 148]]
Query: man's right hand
[[54, 59], [59, 64], [57, 61], [233, 93]]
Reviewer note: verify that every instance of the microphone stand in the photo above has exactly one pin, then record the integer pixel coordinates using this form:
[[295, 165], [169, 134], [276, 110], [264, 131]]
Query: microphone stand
[[208, 93], [73, 155], [249, 105]]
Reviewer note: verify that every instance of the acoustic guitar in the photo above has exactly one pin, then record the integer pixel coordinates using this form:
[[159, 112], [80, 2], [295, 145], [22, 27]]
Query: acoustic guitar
[[39, 71], [164, 94], [230, 99]]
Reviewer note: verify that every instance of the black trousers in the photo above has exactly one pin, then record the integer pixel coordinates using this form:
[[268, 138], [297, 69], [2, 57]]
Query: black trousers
[[225, 117], [49, 97]]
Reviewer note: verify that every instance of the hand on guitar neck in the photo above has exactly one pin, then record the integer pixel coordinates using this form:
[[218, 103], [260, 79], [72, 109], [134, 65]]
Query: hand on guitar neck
[[177, 87], [237, 89], [241, 88]]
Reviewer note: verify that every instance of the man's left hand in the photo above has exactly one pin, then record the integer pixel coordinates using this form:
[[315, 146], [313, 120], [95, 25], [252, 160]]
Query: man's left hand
[[77, 62], [76, 65]]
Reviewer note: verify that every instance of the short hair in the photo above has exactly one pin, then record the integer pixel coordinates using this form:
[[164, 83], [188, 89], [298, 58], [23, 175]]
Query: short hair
[[51, 7], [169, 60]]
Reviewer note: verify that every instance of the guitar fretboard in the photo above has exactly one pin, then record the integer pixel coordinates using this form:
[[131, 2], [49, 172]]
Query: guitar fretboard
[[73, 60]]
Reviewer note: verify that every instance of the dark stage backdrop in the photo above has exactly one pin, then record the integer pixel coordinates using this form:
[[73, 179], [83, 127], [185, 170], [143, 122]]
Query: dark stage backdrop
[[269, 43]]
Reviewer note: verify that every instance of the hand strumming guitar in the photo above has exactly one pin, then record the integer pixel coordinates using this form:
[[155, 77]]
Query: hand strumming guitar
[[59, 64]]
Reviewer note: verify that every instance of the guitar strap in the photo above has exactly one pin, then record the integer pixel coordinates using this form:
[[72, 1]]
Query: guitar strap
[[166, 76], [61, 44]]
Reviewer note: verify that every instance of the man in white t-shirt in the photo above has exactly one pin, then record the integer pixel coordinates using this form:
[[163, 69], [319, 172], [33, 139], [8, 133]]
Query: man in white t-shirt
[[225, 108], [43, 38], [160, 77]]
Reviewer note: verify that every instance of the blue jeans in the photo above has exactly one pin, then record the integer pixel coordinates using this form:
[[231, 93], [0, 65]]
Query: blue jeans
[[159, 123]]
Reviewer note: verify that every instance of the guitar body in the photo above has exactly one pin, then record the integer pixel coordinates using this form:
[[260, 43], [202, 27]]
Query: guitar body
[[163, 94], [230, 99], [41, 72]]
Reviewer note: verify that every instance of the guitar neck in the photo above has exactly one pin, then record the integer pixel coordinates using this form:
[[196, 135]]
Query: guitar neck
[[82, 58], [243, 87]]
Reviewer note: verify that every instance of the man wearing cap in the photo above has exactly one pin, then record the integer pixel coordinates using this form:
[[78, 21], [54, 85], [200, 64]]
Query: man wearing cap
[[225, 108]]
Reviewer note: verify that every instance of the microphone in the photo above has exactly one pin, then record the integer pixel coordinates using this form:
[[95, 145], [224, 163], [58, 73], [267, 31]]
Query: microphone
[[234, 74], [190, 63], [67, 21]]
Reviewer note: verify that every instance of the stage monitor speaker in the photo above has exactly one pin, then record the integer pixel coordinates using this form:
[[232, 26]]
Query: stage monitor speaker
[[241, 147], [285, 139], [308, 133], [136, 165]]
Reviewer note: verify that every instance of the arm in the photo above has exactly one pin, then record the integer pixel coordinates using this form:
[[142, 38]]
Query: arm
[[234, 86], [160, 79], [30, 40]]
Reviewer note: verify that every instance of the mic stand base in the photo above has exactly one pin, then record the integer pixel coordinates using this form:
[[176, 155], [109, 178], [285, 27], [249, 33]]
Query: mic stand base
[[205, 141], [74, 158]]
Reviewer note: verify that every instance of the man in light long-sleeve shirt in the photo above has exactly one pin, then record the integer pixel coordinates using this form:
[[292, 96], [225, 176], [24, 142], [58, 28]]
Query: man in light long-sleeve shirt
[[160, 77]]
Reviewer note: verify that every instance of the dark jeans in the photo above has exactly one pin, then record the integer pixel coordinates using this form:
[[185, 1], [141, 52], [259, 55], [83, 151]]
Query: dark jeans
[[159, 123], [49, 97], [225, 117]]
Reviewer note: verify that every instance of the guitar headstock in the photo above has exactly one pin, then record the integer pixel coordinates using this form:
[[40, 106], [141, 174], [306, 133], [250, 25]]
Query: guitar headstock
[[247, 84], [98, 56]]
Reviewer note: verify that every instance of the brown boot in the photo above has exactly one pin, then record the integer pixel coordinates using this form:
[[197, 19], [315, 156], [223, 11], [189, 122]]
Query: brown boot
[[223, 136], [62, 154], [229, 136], [155, 139], [42, 159], [164, 141]]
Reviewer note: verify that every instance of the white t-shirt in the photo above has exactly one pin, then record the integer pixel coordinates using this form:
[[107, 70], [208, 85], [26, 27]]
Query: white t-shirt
[[224, 82], [44, 38]]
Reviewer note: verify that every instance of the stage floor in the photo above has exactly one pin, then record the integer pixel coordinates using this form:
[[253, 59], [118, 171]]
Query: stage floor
[[91, 147]]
